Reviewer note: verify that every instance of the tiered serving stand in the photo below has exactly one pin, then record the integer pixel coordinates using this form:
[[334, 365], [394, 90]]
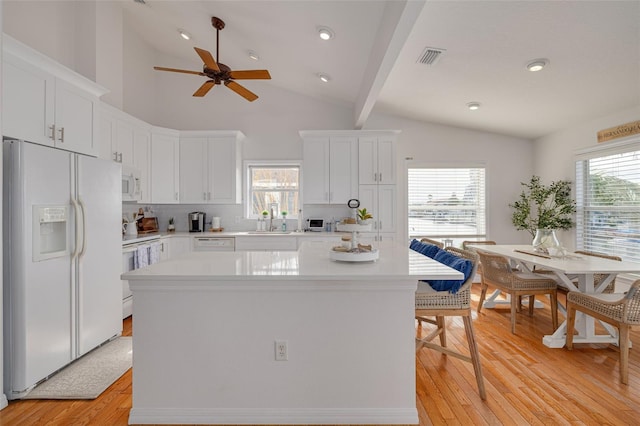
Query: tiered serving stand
[[354, 254]]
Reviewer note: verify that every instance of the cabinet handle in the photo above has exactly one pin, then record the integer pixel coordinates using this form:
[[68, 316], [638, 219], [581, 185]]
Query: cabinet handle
[[115, 156], [61, 130], [53, 132], [120, 157], [380, 176], [375, 177]]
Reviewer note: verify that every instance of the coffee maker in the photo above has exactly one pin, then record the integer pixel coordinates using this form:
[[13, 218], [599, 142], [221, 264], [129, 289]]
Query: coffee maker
[[196, 222]]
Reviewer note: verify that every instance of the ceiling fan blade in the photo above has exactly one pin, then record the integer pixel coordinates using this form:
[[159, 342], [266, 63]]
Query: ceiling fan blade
[[250, 75], [208, 60], [204, 89], [177, 70], [241, 90]]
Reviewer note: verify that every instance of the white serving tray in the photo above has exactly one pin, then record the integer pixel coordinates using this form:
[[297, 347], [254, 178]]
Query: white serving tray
[[345, 256], [353, 227]]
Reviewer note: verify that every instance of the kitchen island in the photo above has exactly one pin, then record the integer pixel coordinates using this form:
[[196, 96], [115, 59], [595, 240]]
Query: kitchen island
[[208, 328]]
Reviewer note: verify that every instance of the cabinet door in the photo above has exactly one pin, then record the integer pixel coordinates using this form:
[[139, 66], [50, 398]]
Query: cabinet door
[[75, 118], [27, 102], [386, 216], [179, 246], [386, 161], [164, 249], [193, 170], [343, 164], [164, 168], [316, 170], [224, 171], [142, 161], [124, 142], [107, 136], [367, 160], [368, 196]]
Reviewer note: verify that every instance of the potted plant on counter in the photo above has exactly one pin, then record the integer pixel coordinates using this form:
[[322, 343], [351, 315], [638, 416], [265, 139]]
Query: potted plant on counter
[[171, 227], [542, 209], [364, 216]]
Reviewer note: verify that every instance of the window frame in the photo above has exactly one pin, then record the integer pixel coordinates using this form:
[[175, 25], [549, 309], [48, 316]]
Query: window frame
[[463, 165], [626, 145], [249, 164]]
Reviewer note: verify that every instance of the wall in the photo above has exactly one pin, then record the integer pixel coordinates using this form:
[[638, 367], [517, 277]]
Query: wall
[[554, 154], [3, 397]]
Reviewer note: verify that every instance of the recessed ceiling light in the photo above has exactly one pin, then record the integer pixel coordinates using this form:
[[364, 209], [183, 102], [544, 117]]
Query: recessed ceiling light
[[325, 33], [325, 78], [473, 106], [537, 64], [185, 35], [253, 55]]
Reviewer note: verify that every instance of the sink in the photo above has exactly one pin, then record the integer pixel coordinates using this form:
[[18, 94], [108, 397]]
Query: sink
[[269, 232]]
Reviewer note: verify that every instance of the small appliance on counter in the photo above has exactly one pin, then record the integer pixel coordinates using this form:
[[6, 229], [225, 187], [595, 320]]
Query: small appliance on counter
[[196, 221]]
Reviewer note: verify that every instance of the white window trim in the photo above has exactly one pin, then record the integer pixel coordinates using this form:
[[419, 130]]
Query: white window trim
[[410, 164], [267, 163]]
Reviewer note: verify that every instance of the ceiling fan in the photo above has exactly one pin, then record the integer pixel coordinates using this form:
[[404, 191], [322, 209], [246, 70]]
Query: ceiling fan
[[219, 73]]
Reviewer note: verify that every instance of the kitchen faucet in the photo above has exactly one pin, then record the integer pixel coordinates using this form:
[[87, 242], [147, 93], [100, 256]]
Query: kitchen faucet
[[271, 226]]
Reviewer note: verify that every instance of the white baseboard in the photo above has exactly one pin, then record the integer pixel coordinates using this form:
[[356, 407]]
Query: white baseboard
[[273, 416]]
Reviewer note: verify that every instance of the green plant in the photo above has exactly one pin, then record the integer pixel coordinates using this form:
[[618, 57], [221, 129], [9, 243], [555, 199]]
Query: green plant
[[170, 221], [363, 214], [283, 213], [265, 213], [543, 206]]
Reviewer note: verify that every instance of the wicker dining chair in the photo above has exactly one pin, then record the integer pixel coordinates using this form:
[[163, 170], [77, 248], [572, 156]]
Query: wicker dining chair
[[497, 271], [430, 241], [621, 310], [441, 304], [598, 278], [466, 244]]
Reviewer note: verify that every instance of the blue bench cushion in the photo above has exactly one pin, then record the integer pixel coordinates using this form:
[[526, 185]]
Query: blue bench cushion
[[428, 250], [436, 253]]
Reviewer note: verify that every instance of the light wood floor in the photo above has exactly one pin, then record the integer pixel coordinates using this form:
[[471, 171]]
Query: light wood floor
[[527, 383]]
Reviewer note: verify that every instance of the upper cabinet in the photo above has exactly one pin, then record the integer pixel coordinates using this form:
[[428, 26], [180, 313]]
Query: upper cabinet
[[45, 103], [210, 167], [330, 167], [165, 166], [377, 159]]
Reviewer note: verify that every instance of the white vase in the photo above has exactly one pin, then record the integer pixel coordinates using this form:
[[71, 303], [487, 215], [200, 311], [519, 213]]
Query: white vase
[[544, 239]]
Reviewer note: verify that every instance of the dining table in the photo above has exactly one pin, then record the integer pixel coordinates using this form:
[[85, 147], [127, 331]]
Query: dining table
[[575, 272]]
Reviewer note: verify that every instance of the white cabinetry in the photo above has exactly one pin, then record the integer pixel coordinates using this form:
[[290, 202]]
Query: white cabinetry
[[266, 243], [178, 245], [45, 103], [381, 201], [210, 167], [330, 167], [377, 159], [165, 161]]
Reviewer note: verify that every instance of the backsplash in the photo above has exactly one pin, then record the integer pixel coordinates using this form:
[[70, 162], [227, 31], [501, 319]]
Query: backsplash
[[231, 215]]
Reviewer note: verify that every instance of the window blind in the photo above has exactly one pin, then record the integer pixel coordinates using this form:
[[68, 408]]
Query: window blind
[[608, 202], [447, 202]]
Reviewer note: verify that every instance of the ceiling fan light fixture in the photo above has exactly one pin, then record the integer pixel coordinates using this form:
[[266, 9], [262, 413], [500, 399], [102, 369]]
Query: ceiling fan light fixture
[[473, 106], [185, 35], [325, 33], [253, 55], [537, 64], [325, 78]]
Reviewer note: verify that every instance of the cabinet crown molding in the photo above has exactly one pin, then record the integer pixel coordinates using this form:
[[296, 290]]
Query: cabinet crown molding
[[28, 54], [352, 133], [237, 134]]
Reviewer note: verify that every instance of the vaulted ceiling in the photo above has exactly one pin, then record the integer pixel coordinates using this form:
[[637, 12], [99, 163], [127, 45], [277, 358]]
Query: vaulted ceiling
[[592, 49]]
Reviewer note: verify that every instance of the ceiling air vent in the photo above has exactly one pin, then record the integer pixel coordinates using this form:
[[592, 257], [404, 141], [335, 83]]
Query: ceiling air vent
[[430, 55]]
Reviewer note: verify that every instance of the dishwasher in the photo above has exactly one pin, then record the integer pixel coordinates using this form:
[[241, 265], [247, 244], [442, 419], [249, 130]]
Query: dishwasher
[[214, 244]]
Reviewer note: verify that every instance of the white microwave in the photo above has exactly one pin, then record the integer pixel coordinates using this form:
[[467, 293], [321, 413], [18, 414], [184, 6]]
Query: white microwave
[[131, 184]]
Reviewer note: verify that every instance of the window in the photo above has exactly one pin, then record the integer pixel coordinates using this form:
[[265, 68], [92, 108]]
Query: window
[[447, 202], [608, 201], [274, 186]]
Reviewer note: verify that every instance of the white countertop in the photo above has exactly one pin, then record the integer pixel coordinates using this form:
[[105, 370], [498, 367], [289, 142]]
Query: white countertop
[[311, 262]]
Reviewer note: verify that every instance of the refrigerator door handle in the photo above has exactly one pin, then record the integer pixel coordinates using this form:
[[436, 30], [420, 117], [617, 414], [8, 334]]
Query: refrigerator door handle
[[84, 228], [76, 209]]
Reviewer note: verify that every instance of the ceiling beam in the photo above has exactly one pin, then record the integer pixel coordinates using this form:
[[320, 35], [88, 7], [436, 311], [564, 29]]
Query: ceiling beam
[[398, 20]]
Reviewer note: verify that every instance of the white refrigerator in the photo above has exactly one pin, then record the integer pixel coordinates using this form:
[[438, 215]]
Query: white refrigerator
[[62, 255]]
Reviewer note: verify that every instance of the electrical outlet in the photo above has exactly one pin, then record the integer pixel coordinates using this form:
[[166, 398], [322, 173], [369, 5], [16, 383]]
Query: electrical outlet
[[282, 352]]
